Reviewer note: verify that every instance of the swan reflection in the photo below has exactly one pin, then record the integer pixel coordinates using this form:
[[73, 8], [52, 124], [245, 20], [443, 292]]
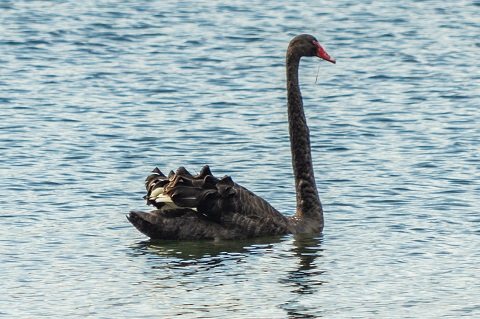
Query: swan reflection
[[206, 253], [305, 279], [272, 266]]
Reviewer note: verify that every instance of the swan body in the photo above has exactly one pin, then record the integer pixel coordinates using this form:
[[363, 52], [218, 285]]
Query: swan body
[[202, 206]]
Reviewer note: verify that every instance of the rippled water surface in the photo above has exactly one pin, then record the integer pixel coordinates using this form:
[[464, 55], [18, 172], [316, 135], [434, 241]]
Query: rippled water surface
[[97, 93]]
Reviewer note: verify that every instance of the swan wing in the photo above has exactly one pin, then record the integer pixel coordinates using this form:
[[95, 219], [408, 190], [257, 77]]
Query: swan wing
[[203, 206]]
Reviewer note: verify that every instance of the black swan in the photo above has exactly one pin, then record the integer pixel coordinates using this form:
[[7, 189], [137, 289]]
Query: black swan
[[191, 207]]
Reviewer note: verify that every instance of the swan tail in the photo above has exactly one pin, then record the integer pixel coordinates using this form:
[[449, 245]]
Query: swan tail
[[182, 224], [144, 223]]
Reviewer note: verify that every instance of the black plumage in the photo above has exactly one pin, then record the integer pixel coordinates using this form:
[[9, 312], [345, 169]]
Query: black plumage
[[202, 206]]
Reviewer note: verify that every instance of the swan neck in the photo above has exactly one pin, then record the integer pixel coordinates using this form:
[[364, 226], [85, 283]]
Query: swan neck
[[308, 201]]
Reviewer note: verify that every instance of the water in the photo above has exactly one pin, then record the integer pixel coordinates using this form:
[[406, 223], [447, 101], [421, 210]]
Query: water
[[97, 93]]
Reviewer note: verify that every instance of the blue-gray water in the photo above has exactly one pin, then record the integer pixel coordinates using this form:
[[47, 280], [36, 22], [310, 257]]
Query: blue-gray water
[[94, 94]]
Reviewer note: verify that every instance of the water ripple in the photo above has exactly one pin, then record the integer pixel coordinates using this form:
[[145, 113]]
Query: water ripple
[[96, 94]]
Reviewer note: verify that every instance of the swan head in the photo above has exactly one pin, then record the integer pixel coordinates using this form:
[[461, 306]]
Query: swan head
[[308, 45]]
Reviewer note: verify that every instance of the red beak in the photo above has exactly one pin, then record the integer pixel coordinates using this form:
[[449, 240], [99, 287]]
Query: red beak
[[322, 54]]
